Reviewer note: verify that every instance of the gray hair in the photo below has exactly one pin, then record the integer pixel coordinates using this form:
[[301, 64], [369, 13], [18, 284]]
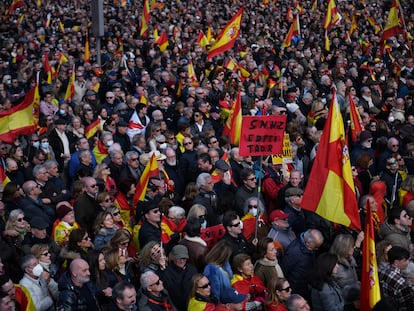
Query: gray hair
[[290, 302], [26, 261], [201, 179], [260, 206], [144, 279], [129, 154], [37, 168], [49, 163], [178, 211]]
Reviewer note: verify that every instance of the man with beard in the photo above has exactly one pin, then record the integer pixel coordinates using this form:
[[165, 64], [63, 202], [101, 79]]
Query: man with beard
[[171, 169], [124, 297], [76, 292]]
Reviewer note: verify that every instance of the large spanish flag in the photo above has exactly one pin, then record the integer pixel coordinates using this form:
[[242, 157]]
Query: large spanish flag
[[330, 190], [162, 41], [145, 18], [370, 288], [151, 170], [227, 36], [392, 26], [21, 119], [232, 127]]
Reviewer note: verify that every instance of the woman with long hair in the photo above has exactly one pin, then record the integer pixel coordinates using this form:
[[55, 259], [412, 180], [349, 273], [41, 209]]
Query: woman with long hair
[[104, 229], [152, 257], [279, 291], [119, 268], [245, 282], [78, 246], [218, 269], [99, 278], [11, 196], [326, 295], [267, 267]]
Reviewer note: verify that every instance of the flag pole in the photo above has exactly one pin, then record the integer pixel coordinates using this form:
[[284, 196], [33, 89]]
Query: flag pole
[[259, 190]]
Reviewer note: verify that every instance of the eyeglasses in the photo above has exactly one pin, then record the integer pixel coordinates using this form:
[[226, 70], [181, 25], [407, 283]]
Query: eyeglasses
[[287, 289], [205, 285], [156, 283], [19, 219], [202, 216], [133, 159], [213, 142], [235, 225], [171, 138], [197, 115], [252, 206], [46, 253], [399, 159], [116, 213], [109, 97], [391, 163], [188, 143], [108, 200]]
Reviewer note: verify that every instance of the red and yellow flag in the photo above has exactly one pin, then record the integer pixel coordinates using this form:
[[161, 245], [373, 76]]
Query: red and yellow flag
[[21, 119], [354, 25], [87, 55], [202, 39], [232, 127], [70, 90], [227, 36], [332, 16], [162, 41], [92, 129], [151, 170], [145, 18], [14, 5], [191, 73], [4, 179], [392, 27], [293, 31], [370, 288], [330, 191], [356, 121], [230, 64], [209, 35]]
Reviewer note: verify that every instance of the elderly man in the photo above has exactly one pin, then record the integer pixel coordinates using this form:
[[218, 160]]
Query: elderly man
[[295, 180], [154, 296], [76, 292], [60, 141], [293, 199], [41, 286], [50, 194], [124, 297], [131, 170], [179, 269], [297, 303], [299, 260], [32, 206], [81, 144], [208, 198]]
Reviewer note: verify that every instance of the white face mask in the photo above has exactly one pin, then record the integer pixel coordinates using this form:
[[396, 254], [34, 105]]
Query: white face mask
[[253, 211], [110, 143], [163, 146], [36, 144], [37, 270], [62, 112], [45, 145]]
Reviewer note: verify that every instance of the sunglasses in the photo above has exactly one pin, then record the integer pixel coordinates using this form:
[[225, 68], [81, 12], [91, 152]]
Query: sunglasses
[[46, 254], [116, 213], [205, 285], [133, 159], [188, 143], [252, 178], [86, 238], [93, 186], [20, 219], [107, 200], [235, 225], [287, 289], [156, 283], [252, 206], [126, 243]]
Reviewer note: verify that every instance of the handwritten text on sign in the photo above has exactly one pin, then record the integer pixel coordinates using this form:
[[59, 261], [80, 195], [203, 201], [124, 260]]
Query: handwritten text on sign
[[262, 135]]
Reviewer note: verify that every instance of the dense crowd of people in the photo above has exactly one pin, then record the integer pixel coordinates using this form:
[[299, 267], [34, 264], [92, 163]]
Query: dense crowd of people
[[74, 235]]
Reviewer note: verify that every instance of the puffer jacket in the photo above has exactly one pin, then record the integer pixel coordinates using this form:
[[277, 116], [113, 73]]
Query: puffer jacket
[[397, 236]]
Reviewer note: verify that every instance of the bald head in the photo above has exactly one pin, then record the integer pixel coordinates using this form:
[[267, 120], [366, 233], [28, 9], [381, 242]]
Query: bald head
[[79, 271]]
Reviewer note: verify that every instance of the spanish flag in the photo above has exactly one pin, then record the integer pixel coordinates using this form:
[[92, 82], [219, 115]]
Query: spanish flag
[[332, 16], [293, 31], [232, 128], [330, 191], [227, 36], [191, 73], [151, 170], [14, 5], [21, 119], [370, 288], [392, 27], [70, 90], [163, 41], [356, 121], [92, 129], [4, 179], [87, 55], [202, 39], [145, 18]]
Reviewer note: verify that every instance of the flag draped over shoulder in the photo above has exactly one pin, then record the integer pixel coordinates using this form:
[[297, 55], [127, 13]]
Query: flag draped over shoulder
[[232, 128], [145, 18], [227, 37], [392, 26], [332, 16], [370, 288], [294, 30], [151, 170], [21, 119], [330, 190]]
